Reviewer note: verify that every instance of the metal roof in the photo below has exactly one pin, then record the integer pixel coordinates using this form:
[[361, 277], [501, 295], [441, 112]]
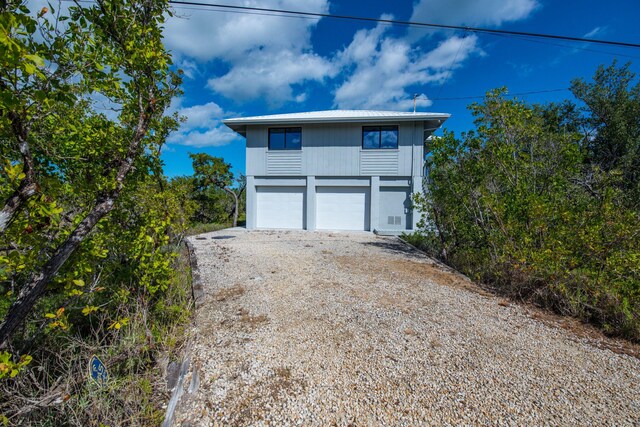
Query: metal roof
[[335, 116]]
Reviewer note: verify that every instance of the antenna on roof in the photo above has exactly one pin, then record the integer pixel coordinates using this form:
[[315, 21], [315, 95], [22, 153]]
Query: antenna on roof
[[415, 98]]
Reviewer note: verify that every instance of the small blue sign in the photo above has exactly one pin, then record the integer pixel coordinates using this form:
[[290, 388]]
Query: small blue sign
[[97, 371]]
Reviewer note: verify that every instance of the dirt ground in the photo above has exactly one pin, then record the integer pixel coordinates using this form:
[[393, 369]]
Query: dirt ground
[[310, 328]]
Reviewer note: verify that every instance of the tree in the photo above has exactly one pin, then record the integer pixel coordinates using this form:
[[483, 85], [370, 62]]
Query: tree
[[611, 115], [521, 204], [59, 146], [30, 91], [214, 172]]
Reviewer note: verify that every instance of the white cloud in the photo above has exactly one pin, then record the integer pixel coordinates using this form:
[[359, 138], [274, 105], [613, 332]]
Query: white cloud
[[270, 76], [385, 67], [271, 57], [597, 31], [472, 12], [203, 126], [267, 54], [215, 137], [205, 34], [578, 48], [188, 67]]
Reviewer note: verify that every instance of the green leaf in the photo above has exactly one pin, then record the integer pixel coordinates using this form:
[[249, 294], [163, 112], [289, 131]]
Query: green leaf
[[35, 59], [29, 68], [89, 309]]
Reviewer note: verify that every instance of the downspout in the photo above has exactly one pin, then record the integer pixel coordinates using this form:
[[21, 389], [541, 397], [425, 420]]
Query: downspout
[[413, 148], [413, 138]]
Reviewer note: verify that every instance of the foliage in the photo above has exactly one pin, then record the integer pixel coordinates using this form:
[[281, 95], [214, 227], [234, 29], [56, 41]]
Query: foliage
[[205, 228], [612, 119], [209, 170], [90, 227], [524, 204], [213, 175], [80, 163], [208, 205], [9, 368], [57, 391]]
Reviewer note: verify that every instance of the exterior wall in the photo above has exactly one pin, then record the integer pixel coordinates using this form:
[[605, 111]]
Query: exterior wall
[[332, 155], [335, 150], [394, 207], [378, 209]]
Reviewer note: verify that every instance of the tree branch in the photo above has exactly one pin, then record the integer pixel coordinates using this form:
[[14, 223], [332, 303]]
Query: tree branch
[[31, 292]]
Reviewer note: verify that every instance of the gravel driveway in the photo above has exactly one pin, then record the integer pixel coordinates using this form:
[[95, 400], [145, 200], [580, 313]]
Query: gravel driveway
[[310, 328]]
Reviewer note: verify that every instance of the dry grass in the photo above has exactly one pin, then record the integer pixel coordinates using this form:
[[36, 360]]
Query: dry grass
[[55, 390], [388, 268], [252, 321], [417, 271], [205, 228], [229, 293]]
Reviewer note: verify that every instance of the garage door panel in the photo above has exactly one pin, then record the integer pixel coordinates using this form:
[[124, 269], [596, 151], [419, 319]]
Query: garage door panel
[[342, 208], [280, 207]]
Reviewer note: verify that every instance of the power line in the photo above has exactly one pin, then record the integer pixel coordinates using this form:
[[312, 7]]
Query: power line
[[507, 94], [452, 63], [576, 47], [406, 23], [518, 35], [234, 11]]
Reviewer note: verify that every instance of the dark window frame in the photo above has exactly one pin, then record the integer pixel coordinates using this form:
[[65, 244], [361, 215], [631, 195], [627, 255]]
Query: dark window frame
[[285, 130], [380, 129]]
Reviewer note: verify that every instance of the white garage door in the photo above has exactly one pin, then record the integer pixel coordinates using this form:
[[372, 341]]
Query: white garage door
[[280, 207], [342, 208]]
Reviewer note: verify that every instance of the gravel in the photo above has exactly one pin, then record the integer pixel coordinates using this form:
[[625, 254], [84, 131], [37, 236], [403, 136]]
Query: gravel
[[310, 328]]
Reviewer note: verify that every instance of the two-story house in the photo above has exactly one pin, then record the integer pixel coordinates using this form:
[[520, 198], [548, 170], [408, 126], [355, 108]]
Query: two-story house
[[335, 170]]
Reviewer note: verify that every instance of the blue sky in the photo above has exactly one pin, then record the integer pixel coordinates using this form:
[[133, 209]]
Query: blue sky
[[239, 64]]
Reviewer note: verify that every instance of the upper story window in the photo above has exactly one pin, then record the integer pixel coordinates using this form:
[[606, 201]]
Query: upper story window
[[379, 137], [285, 138]]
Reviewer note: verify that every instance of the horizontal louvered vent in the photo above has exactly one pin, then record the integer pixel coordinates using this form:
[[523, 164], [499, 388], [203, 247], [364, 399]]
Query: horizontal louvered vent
[[284, 162], [379, 163]]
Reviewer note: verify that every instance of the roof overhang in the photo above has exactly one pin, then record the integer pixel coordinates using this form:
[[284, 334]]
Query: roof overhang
[[240, 124]]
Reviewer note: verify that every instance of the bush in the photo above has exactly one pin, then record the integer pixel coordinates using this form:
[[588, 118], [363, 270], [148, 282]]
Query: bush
[[517, 205], [55, 388], [125, 296]]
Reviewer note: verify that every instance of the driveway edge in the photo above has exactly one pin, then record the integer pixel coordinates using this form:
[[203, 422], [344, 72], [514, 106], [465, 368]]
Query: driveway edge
[[197, 292]]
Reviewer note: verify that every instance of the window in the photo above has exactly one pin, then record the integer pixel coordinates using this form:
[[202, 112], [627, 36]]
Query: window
[[285, 138], [379, 137]]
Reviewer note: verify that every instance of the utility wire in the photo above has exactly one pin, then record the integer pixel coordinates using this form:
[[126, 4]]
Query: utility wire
[[462, 39], [405, 23], [576, 47], [524, 36], [240, 12], [507, 94]]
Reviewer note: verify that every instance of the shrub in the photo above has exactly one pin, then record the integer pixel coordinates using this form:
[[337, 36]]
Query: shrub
[[517, 205]]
